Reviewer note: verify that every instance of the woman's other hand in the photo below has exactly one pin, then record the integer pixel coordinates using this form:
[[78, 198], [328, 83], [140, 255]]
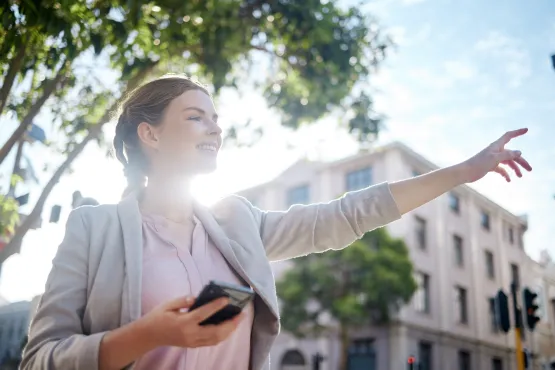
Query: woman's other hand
[[171, 325], [494, 156]]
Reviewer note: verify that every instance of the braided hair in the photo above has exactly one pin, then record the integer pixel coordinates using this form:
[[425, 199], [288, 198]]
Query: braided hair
[[148, 104]]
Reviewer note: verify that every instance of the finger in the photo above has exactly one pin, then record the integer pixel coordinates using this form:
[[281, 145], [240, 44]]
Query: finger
[[179, 303], [202, 313], [507, 155], [524, 163], [500, 170], [514, 167], [509, 135], [230, 324]]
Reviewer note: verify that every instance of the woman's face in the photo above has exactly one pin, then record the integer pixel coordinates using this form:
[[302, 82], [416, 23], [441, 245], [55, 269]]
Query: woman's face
[[187, 140]]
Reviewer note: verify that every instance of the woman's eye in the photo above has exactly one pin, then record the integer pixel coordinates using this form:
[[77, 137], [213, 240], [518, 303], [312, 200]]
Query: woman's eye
[[194, 118]]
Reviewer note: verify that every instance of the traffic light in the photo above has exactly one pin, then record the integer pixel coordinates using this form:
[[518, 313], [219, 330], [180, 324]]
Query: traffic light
[[55, 213], [317, 360], [411, 363], [531, 308], [502, 311]]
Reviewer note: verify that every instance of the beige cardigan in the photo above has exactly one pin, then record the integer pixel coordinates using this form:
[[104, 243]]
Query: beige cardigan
[[95, 282]]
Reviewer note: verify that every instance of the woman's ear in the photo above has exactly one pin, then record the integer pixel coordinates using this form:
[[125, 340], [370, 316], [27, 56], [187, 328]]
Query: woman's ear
[[148, 135]]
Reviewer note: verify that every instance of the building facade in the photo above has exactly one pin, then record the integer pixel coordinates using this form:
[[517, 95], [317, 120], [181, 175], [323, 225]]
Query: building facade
[[14, 324], [542, 341], [464, 248]]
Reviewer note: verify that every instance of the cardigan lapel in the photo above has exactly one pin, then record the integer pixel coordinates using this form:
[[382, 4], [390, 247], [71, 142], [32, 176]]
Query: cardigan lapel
[[131, 227], [220, 240]]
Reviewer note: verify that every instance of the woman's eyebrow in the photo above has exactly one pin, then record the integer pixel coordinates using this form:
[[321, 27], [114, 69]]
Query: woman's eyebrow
[[201, 111]]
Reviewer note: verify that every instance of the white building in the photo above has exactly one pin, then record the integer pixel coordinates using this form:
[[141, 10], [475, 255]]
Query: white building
[[464, 248]]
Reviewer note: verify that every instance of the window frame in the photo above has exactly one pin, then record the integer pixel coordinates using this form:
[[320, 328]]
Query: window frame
[[421, 235], [291, 193], [356, 179]]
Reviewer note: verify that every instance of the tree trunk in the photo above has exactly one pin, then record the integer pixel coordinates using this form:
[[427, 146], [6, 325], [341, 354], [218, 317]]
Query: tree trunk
[[16, 167], [13, 70], [14, 244], [344, 337], [49, 88]]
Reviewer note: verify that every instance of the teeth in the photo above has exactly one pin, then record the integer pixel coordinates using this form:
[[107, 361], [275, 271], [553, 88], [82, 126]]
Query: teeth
[[209, 147]]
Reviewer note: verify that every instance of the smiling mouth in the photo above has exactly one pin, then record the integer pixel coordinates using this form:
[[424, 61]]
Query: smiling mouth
[[208, 147]]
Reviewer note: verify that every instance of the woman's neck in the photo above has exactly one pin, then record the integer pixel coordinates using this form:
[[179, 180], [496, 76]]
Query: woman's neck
[[168, 198]]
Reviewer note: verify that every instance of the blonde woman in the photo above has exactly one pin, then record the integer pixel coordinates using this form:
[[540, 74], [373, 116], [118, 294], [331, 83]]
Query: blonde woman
[[125, 274]]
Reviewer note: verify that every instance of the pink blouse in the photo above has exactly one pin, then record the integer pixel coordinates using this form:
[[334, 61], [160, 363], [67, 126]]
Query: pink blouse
[[170, 270]]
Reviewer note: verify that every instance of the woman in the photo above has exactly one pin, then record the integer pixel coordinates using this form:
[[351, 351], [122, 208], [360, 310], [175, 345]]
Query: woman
[[125, 274]]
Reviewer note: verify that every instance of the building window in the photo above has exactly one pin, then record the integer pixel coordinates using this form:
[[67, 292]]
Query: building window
[[422, 299], [496, 363], [464, 360], [490, 267], [293, 359], [362, 352], [421, 232], [461, 302], [362, 346], [359, 179], [454, 203], [515, 274], [425, 355], [511, 234], [493, 318], [458, 251], [298, 195], [485, 221]]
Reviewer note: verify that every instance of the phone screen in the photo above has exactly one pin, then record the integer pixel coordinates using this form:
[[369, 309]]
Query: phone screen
[[237, 298]]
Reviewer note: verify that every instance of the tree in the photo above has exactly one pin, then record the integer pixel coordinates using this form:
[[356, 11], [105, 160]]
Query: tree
[[318, 53], [40, 47], [8, 216], [362, 284]]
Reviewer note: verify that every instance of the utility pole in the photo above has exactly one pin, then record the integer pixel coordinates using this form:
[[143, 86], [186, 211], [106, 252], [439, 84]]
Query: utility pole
[[518, 327]]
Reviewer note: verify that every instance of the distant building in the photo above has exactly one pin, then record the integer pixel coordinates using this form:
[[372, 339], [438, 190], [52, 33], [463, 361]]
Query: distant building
[[14, 324], [463, 246], [542, 343]]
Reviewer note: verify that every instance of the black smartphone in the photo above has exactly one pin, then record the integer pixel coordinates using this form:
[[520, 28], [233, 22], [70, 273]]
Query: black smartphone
[[239, 296]]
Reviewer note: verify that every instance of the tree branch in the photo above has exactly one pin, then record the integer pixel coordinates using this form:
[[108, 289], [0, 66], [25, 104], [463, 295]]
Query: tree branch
[[14, 244], [13, 70], [33, 111]]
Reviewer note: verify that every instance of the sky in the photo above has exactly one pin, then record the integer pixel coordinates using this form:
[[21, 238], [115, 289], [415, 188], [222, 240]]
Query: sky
[[461, 75]]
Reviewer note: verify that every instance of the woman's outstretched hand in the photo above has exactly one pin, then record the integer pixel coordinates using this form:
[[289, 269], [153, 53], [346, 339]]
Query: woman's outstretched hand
[[494, 156]]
